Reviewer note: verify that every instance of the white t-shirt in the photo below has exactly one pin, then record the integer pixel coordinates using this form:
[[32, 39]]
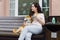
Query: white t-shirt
[[40, 16]]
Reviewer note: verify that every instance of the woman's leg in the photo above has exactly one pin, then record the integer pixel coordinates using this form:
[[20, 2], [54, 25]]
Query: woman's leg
[[35, 29], [23, 33], [28, 36]]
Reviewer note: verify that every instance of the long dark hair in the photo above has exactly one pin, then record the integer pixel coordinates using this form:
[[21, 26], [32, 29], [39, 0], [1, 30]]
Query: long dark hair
[[38, 9]]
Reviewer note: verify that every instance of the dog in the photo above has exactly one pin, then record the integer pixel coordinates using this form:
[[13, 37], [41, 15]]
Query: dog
[[27, 21]]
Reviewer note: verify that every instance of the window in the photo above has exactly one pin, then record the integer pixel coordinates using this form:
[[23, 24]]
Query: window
[[12, 7], [45, 7], [21, 7], [24, 5]]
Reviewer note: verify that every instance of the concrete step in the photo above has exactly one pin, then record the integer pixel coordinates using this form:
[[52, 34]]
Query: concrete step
[[7, 33], [10, 24], [9, 27], [5, 29], [11, 18], [11, 21]]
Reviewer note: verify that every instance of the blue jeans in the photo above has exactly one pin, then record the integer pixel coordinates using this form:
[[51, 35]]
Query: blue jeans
[[27, 32]]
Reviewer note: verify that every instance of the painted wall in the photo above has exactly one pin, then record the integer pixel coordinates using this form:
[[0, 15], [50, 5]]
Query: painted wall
[[4, 8], [54, 8]]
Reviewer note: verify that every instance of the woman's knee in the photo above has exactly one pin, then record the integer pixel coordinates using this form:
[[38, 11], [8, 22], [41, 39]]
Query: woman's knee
[[26, 27], [29, 35]]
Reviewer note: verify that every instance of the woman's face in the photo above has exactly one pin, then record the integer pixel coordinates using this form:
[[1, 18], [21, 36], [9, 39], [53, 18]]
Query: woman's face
[[33, 8]]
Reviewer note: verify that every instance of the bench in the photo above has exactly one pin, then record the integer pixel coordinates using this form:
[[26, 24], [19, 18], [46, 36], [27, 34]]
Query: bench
[[8, 23]]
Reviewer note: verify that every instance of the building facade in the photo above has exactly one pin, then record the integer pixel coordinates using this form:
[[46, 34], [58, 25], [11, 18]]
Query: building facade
[[11, 7], [4, 8]]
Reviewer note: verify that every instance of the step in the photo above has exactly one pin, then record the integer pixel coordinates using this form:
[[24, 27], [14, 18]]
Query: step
[[11, 21], [7, 34], [5, 29], [12, 24], [11, 18], [9, 26]]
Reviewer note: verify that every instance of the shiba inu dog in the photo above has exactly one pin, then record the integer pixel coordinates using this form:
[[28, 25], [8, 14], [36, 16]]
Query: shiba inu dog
[[27, 21]]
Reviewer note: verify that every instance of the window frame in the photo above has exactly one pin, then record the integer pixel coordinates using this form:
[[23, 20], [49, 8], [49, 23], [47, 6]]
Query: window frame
[[16, 8]]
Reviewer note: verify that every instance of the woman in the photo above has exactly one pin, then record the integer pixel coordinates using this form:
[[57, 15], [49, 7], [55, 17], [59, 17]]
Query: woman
[[37, 21]]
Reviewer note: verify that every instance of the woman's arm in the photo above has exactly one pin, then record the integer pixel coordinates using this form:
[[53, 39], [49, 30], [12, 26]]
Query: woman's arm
[[41, 19]]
